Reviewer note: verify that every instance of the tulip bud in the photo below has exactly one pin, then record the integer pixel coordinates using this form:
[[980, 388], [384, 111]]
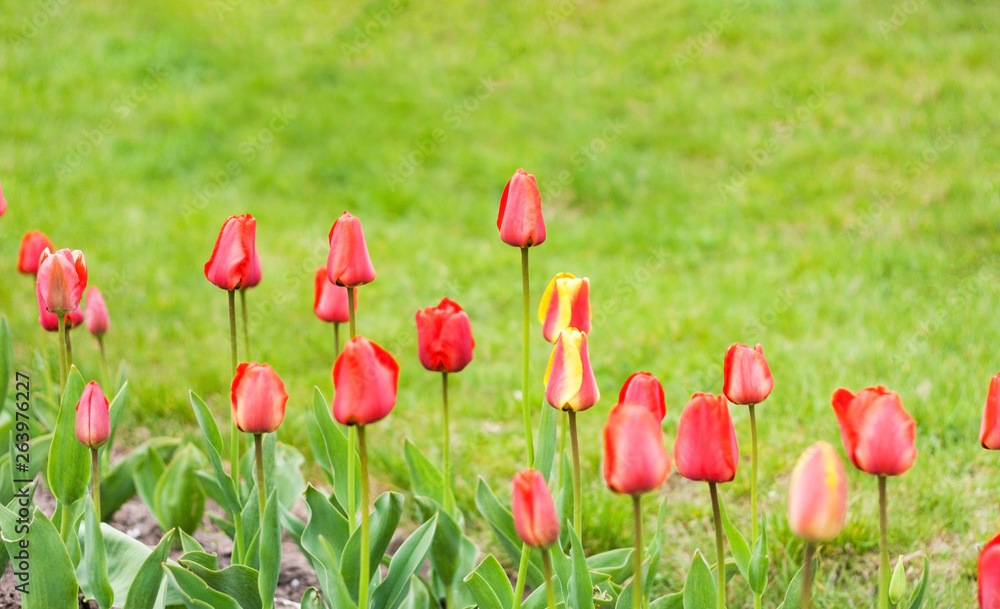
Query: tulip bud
[[989, 430], [258, 398], [817, 494], [565, 304], [364, 379], [706, 441], [234, 263], [93, 424], [879, 435], [535, 517], [348, 263], [988, 571], [644, 389], [897, 585], [747, 375], [330, 302], [444, 337], [33, 243], [520, 219], [569, 379], [3, 202], [96, 313], [635, 460], [61, 279]]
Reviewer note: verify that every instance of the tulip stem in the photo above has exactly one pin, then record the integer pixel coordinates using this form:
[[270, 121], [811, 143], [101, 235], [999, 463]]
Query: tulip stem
[[522, 576], [449, 498], [549, 591], [720, 564], [526, 290], [352, 518], [350, 311], [62, 351], [883, 542], [577, 485], [754, 527], [234, 436], [637, 579], [261, 487], [807, 576], [96, 479], [238, 542], [246, 329], [365, 560], [69, 349]]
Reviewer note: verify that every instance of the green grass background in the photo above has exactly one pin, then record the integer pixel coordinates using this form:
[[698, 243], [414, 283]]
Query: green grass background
[[821, 177]]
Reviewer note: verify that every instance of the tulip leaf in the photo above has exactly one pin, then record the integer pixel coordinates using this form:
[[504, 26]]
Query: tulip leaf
[[147, 473], [699, 587], [759, 560], [384, 520], [563, 571], [190, 544], [116, 409], [6, 359], [92, 573], [793, 595], [69, 460], [291, 523], [213, 446], [118, 485], [545, 453], [446, 552], [195, 592], [674, 600], [270, 551], [581, 589], [737, 543], [618, 564], [324, 521], [287, 474], [70, 514], [564, 497], [405, 562], [337, 454], [418, 596], [625, 597], [237, 581], [311, 600], [489, 585], [332, 582], [146, 583], [502, 522], [178, 500], [54, 585], [425, 479], [917, 597]]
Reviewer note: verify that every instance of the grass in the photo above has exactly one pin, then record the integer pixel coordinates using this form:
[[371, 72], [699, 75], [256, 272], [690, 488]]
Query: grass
[[823, 178]]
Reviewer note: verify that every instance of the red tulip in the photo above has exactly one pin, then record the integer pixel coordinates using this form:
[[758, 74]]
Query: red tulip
[[444, 337], [93, 425], [50, 322], [3, 202], [747, 375], [635, 460], [61, 279], [33, 243], [989, 431], [234, 263], [644, 389], [348, 264], [706, 441], [565, 304], [96, 313], [988, 572], [817, 494], [364, 378], [258, 398], [520, 219], [330, 302], [535, 517], [878, 434], [569, 380]]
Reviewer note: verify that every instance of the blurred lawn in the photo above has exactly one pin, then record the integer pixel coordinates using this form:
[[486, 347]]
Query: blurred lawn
[[823, 178]]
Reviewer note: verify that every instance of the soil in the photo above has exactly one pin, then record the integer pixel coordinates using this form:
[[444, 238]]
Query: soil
[[135, 520]]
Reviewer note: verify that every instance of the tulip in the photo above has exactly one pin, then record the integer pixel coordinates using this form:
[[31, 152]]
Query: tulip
[[444, 337], [50, 321], [348, 263], [520, 219], [878, 434], [988, 571], [565, 304], [93, 426], [644, 389], [747, 375], [33, 243], [96, 313], [364, 379], [989, 431], [3, 202], [535, 517], [234, 263], [569, 379], [817, 494], [330, 301], [62, 277], [706, 441], [258, 398]]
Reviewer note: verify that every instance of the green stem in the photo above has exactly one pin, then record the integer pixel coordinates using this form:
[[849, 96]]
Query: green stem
[[234, 436], [352, 516], [261, 486], [365, 561], [350, 311], [577, 485], [720, 564], [449, 601], [238, 542], [637, 579], [449, 498], [96, 480], [526, 290], [807, 576], [246, 328], [522, 576], [754, 526], [549, 591], [883, 542], [69, 350], [62, 351]]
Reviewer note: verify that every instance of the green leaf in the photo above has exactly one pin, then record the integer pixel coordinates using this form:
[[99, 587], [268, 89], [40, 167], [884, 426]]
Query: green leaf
[[333, 584], [118, 485], [69, 460], [324, 521], [146, 584], [502, 522], [6, 359], [407, 559], [760, 560], [237, 581], [311, 598], [917, 597], [178, 499], [674, 600], [425, 479], [287, 475], [618, 564], [270, 551], [737, 543], [545, 452], [384, 520], [563, 572], [699, 587], [418, 597], [93, 570], [489, 585], [71, 540], [793, 595], [336, 449], [213, 446], [581, 589], [146, 475], [49, 587], [206, 560], [446, 548], [196, 592], [190, 544]]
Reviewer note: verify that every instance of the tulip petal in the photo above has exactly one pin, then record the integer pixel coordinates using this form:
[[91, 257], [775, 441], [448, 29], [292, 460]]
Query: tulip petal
[[989, 430]]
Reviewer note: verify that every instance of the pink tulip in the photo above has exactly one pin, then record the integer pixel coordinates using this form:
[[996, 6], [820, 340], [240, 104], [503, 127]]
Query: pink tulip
[[569, 380], [879, 436], [444, 337], [644, 389], [330, 300], [565, 304], [520, 219], [747, 375], [93, 425], [817, 494], [96, 313], [706, 441], [33, 243], [234, 263], [50, 322], [62, 277], [635, 460], [988, 571], [989, 430], [3, 202], [258, 398], [348, 263], [364, 379], [535, 518]]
